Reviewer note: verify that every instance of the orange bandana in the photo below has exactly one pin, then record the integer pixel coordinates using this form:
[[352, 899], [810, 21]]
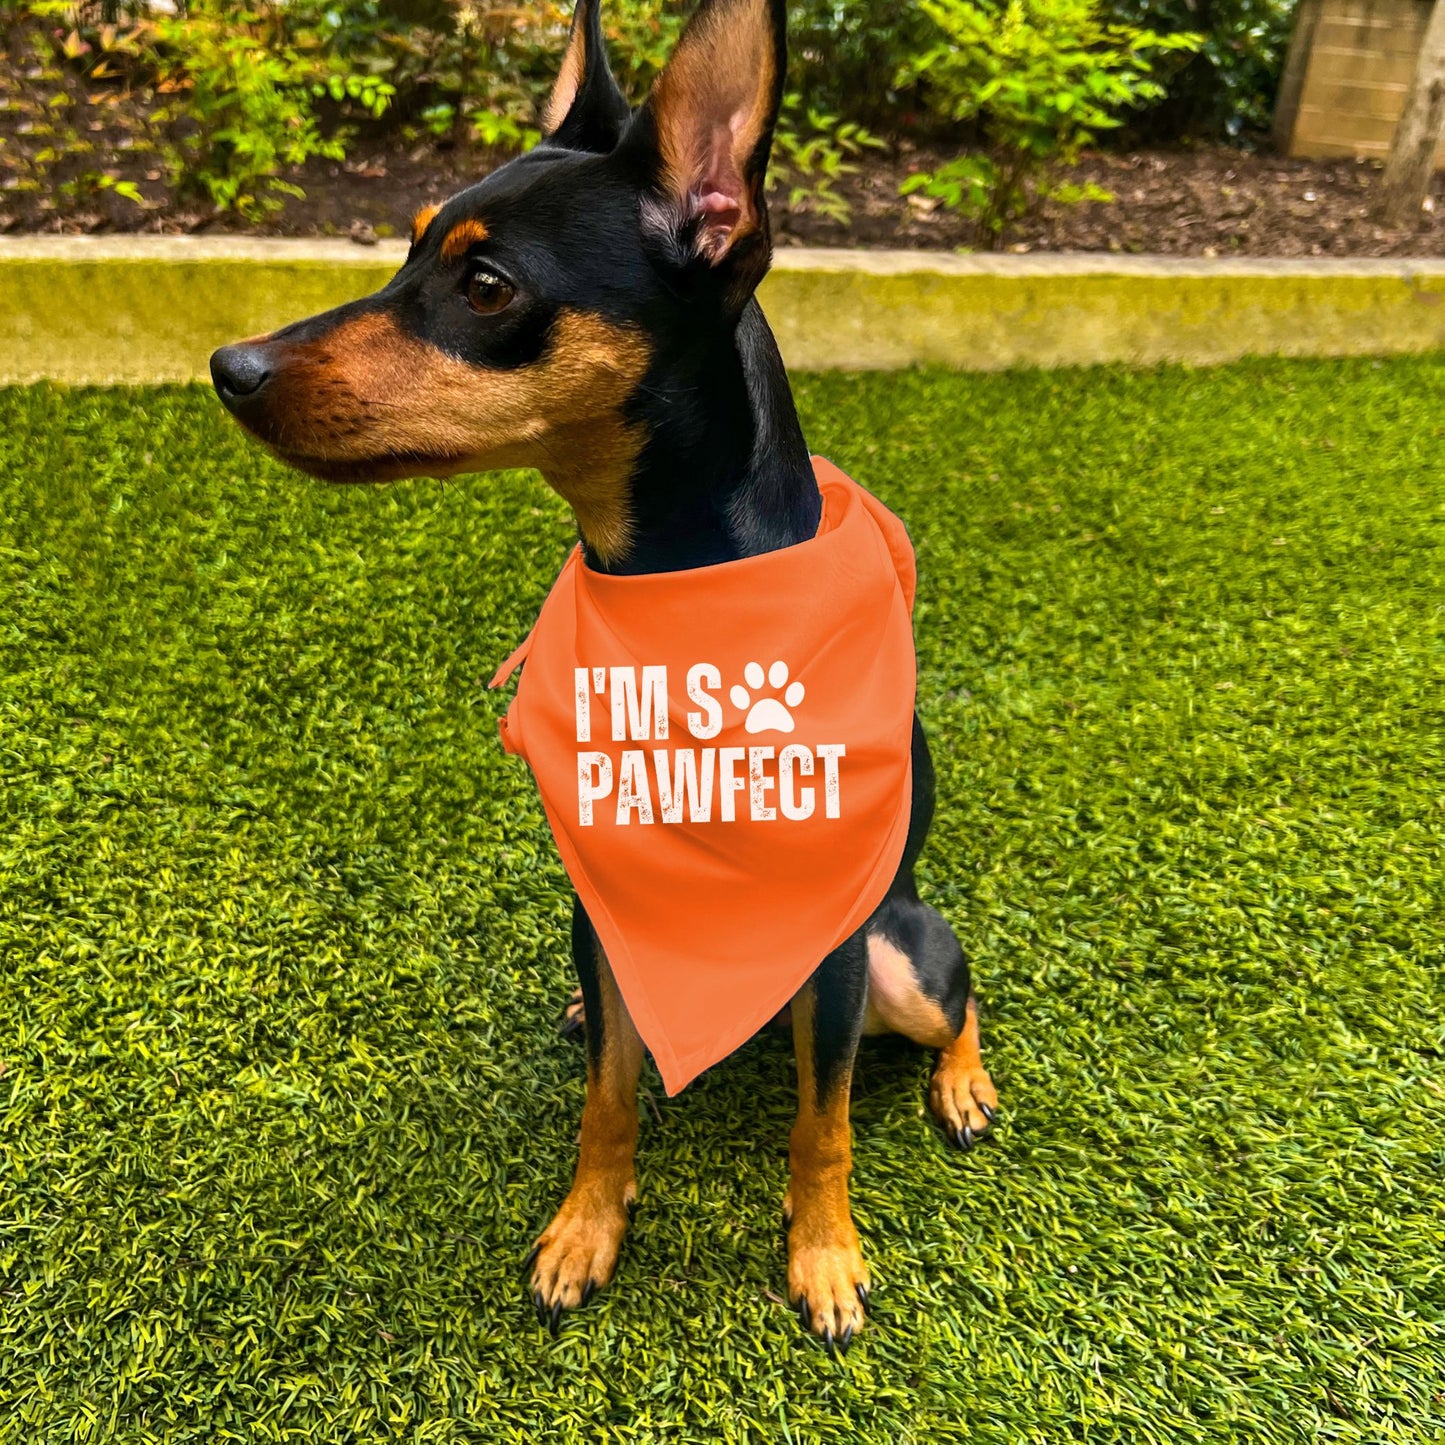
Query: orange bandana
[[724, 755]]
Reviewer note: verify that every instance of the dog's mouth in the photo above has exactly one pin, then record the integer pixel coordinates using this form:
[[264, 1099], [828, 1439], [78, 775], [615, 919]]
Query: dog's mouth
[[356, 471]]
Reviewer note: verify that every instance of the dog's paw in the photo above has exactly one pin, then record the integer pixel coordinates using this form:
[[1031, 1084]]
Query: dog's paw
[[963, 1100], [828, 1286], [577, 1253]]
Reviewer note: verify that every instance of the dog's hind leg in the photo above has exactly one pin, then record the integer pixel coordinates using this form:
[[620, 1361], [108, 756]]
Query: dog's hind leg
[[827, 1279], [919, 986], [577, 1252], [962, 1095]]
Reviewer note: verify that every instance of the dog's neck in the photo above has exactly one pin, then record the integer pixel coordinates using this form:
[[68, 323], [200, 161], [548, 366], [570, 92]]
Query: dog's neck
[[725, 472]]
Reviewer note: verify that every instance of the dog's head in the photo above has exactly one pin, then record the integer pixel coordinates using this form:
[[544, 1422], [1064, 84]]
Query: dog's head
[[532, 305]]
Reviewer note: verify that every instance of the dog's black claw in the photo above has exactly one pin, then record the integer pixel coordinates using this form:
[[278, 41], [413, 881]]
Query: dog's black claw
[[862, 1292], [588, 1289], [845, 1340], [631, 1207], [572, 1026], [540, 1305], [804, 1313], [531, 1258], [989, 1114], [829, 1344], [967, 1136], [555, 1318]]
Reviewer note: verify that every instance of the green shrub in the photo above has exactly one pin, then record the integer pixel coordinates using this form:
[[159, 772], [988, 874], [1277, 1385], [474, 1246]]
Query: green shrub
[[483, 72], [47, 69], [845, 55], [640, 37], [459, 73], [850, 56], [1228, 87], [245, 96], [251, 87], [1035, 81], [811, 150]]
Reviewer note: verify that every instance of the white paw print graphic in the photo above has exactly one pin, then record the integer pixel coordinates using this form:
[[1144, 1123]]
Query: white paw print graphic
[[767, 714]]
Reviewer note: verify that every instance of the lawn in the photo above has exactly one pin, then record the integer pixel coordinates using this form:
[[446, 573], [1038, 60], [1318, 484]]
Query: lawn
[[282, 946]]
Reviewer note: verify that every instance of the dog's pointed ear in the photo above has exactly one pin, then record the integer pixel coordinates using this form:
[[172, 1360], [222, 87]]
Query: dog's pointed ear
[[709, 126], [586, 110]]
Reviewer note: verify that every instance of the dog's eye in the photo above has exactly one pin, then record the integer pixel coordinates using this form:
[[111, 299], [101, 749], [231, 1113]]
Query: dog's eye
[[488, 294]]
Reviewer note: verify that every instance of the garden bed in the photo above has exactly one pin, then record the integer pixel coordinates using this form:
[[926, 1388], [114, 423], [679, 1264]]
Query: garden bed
[[1197, 201], [95, 147]]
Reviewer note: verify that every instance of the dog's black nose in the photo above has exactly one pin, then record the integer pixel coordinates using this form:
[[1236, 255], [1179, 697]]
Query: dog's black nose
[[239, 372]]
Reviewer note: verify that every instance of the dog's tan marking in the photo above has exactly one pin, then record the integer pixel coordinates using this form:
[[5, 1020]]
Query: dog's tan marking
[[369, 402], [896, 1005], [569, 77], [579, 1248], [463, 236], [421, 221], [961, 1084], [825, 1263]]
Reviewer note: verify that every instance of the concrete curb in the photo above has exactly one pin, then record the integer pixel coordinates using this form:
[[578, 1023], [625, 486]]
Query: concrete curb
[[150, 309]]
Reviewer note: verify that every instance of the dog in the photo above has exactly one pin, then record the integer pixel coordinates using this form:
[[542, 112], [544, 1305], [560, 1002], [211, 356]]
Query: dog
[[588, 310]]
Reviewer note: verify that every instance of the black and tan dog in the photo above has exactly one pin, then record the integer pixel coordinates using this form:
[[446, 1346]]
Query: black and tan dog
[[588, 310]]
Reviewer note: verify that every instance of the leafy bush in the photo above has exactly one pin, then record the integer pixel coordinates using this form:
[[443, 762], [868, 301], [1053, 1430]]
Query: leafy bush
[[245, 91], [1035, 81], [46, 68], [460, 72], [225, 94], [845, 55], [640, 37], [811, 150], [483, 72], [850, 56], [1228, 87], [241, 90]]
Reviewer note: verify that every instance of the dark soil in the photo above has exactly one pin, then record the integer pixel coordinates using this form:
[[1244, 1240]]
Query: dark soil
[[1199, 201], [1202, 201]]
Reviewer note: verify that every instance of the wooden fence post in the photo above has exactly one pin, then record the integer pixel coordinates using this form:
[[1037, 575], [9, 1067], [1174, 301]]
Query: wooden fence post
[[1292, 81]]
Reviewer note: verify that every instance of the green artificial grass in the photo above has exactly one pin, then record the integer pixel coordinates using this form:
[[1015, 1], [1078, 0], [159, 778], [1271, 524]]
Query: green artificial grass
[[283, 946]]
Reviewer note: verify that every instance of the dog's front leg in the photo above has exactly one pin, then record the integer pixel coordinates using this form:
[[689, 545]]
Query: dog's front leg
[[827, 1279], [577, 1252]]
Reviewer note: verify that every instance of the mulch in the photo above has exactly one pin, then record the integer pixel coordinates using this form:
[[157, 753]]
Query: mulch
[[1199, 201], [1203, 200], [1207, 200]]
